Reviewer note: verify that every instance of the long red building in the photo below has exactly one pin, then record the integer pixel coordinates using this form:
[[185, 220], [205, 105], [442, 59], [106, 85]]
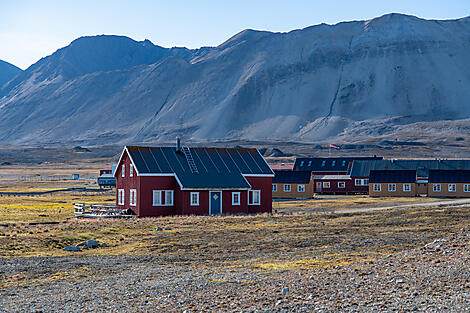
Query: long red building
[[158, 181]]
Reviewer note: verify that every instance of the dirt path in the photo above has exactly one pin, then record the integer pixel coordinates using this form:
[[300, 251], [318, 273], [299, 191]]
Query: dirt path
[[404, 206]]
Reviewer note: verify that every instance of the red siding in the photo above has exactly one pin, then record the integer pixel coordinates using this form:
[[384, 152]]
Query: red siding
[[359, 189], [334, 186], [127, 183], [150, 183], [265, 184], [145, 185]]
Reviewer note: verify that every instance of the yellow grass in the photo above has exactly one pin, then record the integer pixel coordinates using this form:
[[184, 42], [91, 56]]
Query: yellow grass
[[300, 239]]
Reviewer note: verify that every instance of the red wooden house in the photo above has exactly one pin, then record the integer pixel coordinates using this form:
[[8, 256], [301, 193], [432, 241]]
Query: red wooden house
[[157, 181]]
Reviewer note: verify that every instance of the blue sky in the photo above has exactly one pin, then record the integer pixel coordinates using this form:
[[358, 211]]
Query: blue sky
[[31, 29]]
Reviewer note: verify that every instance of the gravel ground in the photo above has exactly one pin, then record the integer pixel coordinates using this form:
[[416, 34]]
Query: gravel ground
[[434, 278]]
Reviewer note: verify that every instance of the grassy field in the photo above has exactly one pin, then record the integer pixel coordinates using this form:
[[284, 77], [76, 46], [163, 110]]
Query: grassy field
[[295, 237]]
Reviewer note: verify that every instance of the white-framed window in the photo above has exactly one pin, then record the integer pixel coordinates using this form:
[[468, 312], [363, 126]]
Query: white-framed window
[[341, 184], [406, 187], [168, 197], [326, 184], [133, 197], [158, 197], [451, 187], [436, 187], [287, 187], [194, 198], [361, 182], [120, 196], [274, 187], [377, 187], [392, 187], [254, 197], [300, 188], [466, 188], [123, 170], [131, 170], [235, 198]]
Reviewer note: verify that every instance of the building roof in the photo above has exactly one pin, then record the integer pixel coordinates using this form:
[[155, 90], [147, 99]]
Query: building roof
[[201, 168], [361, 168], [327, 164], [291, 177], [449, 176], [392, 176], [331, 177]]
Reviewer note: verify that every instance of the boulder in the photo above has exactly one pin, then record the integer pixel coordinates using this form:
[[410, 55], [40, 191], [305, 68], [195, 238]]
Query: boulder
[[92, 244], [72, 248]]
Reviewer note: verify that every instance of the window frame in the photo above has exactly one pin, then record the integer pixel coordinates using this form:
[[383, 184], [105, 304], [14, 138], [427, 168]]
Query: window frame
[[236, 193], [326, 185], [131, 170], [299, 187], [377, 187], [466, 187], [171, 192], [121, 193], [251, 202], [274, 188], [194, 193], [394, 189], [287, 189], [454, 189], [154, 203], [409, 187], [341, 184], [123, 170], [435, 189], [133, 197]]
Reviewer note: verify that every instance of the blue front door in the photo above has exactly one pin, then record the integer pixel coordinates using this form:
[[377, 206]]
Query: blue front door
[[215, 202]]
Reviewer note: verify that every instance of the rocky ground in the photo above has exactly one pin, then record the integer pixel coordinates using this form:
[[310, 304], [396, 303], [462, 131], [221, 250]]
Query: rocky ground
[[433, 278]]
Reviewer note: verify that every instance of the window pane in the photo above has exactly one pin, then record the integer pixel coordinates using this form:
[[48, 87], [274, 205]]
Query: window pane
[[169, 197]]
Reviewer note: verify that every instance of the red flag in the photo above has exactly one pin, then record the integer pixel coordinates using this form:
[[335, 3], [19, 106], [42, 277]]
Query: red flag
[[333, 146]]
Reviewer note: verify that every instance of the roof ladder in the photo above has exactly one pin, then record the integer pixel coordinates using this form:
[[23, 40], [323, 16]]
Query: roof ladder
[[189, 158]]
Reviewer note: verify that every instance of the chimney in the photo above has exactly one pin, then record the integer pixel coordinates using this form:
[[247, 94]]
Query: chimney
[[178, 144]]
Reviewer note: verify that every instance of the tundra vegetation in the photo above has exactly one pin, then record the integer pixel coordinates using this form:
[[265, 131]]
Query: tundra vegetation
[[299, 238]]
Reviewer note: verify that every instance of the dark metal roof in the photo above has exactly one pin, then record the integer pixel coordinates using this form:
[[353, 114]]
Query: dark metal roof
[[216, 167], [392, 176], [291, 177], [327, 164], [449, 176], [361, 168]]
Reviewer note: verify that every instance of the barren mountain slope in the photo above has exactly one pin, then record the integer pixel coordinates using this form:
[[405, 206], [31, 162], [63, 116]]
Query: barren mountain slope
[[320, 82], [7, 72]]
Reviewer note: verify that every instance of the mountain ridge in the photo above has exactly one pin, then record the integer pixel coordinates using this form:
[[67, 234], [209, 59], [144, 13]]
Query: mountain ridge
[[308, 84]]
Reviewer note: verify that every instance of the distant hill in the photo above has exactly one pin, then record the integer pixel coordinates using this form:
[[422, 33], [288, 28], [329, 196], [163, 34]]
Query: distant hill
[[380, 77], [7, 72]]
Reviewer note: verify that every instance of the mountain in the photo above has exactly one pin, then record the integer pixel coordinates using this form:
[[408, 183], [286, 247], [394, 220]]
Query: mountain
[[7, 72], [350, 80]]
